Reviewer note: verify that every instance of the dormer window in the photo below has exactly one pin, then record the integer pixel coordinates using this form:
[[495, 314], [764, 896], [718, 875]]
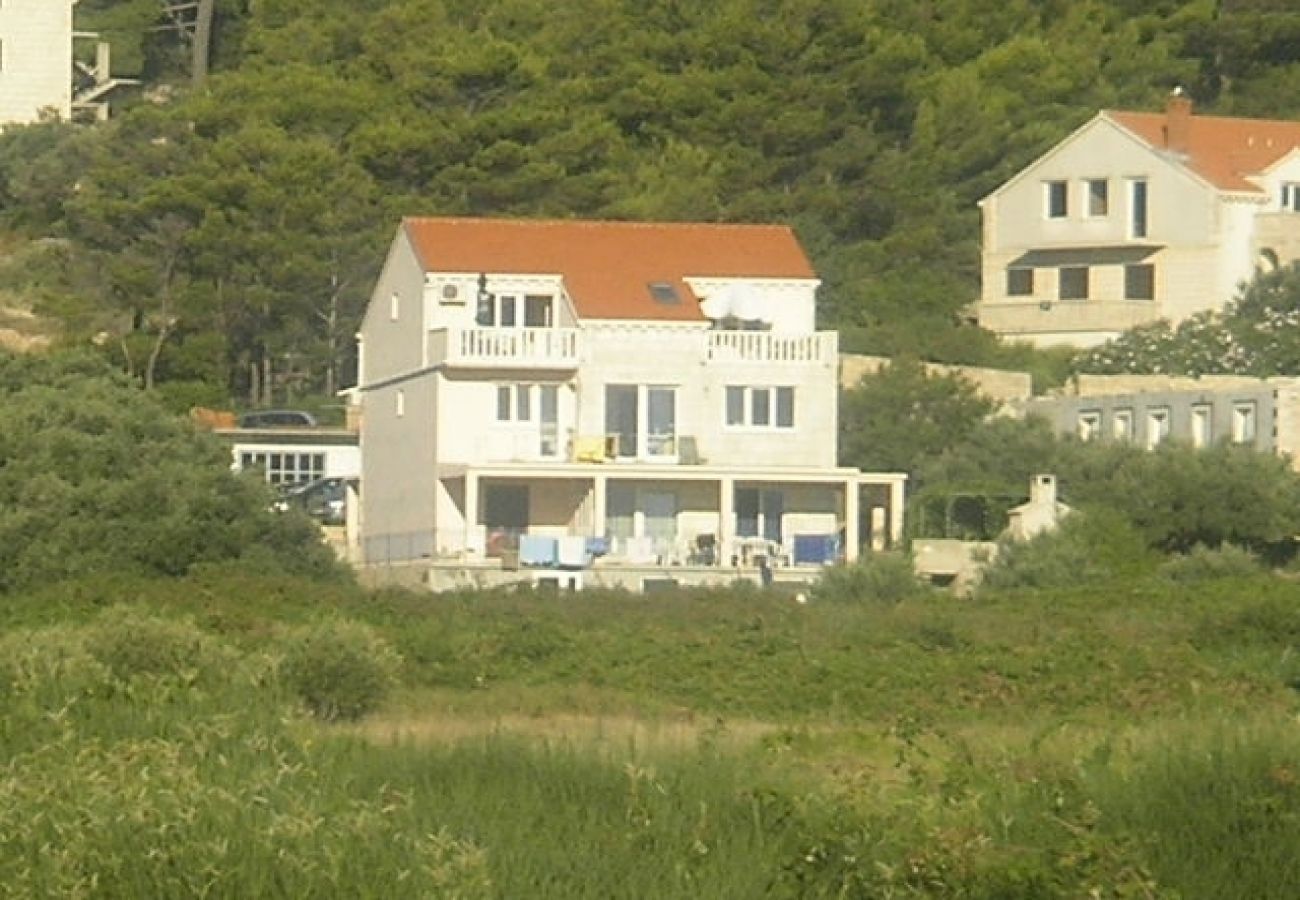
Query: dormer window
[[1291, 196], [665, 293]]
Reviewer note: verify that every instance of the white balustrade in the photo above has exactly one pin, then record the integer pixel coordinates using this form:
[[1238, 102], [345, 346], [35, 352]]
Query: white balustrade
[[766, 347], [513, 347]]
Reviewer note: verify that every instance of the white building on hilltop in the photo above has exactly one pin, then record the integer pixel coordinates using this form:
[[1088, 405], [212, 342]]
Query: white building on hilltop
[[1136, 217], [35, 60], [633, 401]]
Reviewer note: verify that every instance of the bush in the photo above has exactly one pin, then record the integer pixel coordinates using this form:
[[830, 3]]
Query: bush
[[882, 577], [340, 669], [1093, 546], [1204, 563], [132, 643]]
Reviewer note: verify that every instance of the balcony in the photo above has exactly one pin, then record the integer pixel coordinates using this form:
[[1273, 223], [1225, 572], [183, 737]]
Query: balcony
[[504, 348], [766, 347]]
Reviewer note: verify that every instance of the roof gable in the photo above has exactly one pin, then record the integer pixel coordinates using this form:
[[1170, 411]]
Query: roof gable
[[1224, 151], [608, 267]]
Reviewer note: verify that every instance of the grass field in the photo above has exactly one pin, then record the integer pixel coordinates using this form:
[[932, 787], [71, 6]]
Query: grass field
[[1136, 741]]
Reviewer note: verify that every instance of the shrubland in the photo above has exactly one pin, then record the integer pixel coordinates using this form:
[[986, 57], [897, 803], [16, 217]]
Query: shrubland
[[1135, 737]]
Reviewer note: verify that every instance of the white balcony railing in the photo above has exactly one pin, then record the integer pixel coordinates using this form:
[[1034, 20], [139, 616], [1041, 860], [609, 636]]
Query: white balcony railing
[[766, 347], [505, 347]]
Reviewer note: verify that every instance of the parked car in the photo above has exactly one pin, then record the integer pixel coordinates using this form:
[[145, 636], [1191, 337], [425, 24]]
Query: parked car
[[277, 418], [324, 499]]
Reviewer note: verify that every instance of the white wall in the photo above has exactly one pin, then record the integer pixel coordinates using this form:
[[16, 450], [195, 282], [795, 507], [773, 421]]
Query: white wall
[[394, 344], [398, 472], [37, 59]]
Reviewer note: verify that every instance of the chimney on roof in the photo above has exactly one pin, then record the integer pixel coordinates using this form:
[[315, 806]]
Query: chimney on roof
[[1178, 121]]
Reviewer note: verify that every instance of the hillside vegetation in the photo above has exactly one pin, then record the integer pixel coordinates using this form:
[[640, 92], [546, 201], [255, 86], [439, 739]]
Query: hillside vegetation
[[223, 240]]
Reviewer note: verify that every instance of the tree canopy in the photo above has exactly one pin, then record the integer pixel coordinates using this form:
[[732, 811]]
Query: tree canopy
[[1256, 334], [230, 232], [96, 477]]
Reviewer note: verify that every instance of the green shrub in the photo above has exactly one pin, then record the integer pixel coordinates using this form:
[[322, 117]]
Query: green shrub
[[1204, 563], [881, 577], [130, 643], [1088, 547], [340, 669]]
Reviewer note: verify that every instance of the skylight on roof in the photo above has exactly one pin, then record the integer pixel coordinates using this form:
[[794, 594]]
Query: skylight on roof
[[664, 292]]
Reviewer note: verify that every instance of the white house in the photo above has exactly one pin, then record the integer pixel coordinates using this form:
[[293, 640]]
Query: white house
[[1137, 217], [625, 398], [35, 60]]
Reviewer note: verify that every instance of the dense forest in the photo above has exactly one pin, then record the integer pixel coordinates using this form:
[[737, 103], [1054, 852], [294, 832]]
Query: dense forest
[[218, 240]]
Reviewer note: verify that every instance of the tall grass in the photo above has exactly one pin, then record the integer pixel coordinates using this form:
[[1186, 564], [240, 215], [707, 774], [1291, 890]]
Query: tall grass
[[1017, 745]]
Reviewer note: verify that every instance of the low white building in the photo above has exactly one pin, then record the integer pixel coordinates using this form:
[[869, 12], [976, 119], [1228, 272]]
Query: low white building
[[634, 401], [35, 60]]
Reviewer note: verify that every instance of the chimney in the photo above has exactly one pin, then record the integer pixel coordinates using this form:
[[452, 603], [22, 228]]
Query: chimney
[[1042, 490], [1178, 121]]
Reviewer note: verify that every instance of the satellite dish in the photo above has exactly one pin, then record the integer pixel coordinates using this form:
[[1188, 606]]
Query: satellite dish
[[717, 305], [746, 305]]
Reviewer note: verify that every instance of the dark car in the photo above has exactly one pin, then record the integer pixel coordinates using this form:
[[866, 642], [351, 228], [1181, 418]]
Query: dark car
[[324, 499], [277, 418]]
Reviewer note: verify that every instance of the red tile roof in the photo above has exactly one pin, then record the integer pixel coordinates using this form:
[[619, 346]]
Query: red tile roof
[[607, 267], [1221, 150]]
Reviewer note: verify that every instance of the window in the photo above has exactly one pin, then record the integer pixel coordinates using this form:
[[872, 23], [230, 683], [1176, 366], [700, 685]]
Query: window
[[759, 407], [1243, 422], [1157, 426], [285, 468], [1020, 282], [1073, 283], [394, 307], [665, 293], [1202, 425], [1291, 196], [1137, 208], [1057, 199], [1089, 425], [1098, 197], [400, 403], [1140, 281], [538, 311], [641, 419], [1121, 425], [494, 311], [516, 403]]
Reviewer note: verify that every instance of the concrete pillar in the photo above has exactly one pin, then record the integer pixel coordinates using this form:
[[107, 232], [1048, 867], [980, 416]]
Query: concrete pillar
[[852, 539], [896, 501], [598, 487], [471, 540], [726, 520]]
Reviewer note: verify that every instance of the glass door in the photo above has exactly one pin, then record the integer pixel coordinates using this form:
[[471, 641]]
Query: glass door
[[661, 421], [622, 418]]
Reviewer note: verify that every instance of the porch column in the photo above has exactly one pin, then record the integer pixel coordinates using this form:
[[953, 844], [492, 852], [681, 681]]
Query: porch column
[[852, 501], [470, 539], [896, 511], [726, 520], [598, 486]]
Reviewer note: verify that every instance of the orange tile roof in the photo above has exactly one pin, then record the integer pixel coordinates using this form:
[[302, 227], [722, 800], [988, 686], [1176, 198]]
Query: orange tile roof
[[607, 266], [1221, 150]]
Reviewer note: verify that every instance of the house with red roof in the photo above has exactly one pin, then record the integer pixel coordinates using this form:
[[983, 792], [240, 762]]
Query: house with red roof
[[605, 403], [1137, 217]]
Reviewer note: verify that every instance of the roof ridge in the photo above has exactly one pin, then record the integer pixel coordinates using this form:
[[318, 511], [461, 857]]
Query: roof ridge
[[596, 223]]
